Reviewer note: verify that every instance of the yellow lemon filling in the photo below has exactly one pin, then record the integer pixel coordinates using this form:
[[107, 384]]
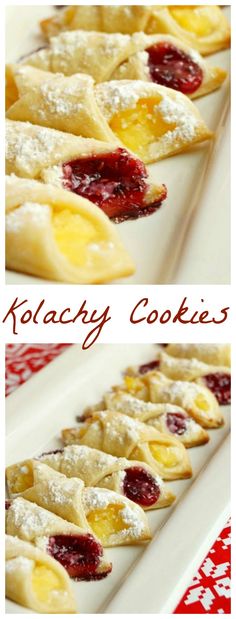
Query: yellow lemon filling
[[72, 234], [194, 19], [106, 522], [136, 387], [20, 478], [140, 126], [44, 582], [168, 456], [201, 403]]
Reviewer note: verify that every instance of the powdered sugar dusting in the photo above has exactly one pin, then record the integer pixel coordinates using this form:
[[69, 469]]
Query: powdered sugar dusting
[[30, 520], [80, 43], [31, 150], [175, 112], [38, 214], [116, 95], [128, 404], [62, 490], [126, 425], [18, 564], [132, 515]]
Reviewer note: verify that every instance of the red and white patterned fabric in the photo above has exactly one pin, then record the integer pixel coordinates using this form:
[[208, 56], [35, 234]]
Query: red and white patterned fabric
[[209, 591]]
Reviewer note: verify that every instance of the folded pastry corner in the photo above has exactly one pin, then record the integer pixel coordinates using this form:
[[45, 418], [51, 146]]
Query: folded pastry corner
[[121, 436], [35, 580], [77, 550], [203, 27], [158, 58], [55, 101], [55, 234], [107, 175]]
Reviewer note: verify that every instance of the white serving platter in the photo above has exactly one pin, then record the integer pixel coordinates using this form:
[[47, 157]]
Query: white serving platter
[[188, 240], [147, 578]]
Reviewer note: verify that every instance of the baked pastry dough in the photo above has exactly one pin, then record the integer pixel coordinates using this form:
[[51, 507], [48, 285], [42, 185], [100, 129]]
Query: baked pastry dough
[[203, 27], [55, 234], [114, 520], [212, 354], [35, 580], [114, 179], [135, 480], [216, 377], [120, 436], [102, 18], [77, 550], [196, 400], [159, 58], [151, 120], [53, 100], [167, 418]]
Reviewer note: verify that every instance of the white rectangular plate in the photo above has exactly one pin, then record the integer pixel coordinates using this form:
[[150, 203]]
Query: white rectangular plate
[[177, 243], [147, 578]]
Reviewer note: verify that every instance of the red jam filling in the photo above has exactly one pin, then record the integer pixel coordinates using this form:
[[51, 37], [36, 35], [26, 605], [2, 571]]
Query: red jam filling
[[79, 554], [116, 182], [7, 505], [176, 423], [220, 385], [171, 67], [140, 487], [148, 367]]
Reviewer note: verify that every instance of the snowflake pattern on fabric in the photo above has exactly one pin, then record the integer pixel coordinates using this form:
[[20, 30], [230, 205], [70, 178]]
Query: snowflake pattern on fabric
[[209, 591]]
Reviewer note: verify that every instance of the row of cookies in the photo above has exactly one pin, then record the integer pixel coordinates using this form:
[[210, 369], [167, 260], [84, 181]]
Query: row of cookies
[[91, 135], [92, 493], [203, 27]]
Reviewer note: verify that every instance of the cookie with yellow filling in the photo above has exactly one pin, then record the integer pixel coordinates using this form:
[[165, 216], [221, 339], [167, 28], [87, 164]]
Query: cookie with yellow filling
[[168, 418], [151, 120], [132, 479], [35, 580], [55, 234], [198, 401], [115, 520], [121, 436], [203, 27], [110, 177], [159, 58], [76, 548]]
